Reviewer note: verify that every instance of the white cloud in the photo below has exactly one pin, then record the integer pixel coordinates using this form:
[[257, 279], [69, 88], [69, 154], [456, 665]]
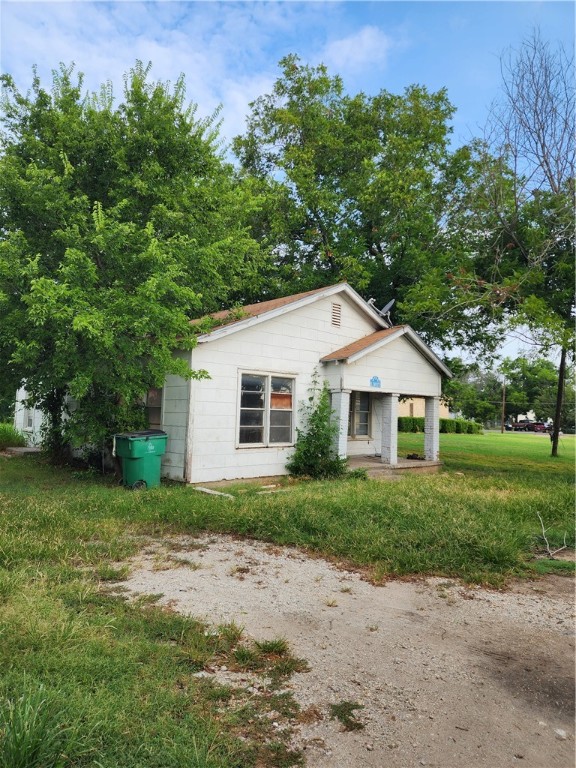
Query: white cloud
[[368, 48], [227, 51]]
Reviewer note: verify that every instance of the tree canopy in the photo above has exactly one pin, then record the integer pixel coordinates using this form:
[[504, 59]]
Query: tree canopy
[[357, 187], [530, 385], [117, 225]]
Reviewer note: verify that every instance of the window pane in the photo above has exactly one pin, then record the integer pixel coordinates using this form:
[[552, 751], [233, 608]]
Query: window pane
[[252, 383], [280, 435], [363, 401], [280, 384], [362, 424], [251, 435], [280, 418], [252, 400], [251, 418]]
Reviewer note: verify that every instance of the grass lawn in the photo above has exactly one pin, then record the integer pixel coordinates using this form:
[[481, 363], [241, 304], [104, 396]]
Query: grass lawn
[[107, 683]]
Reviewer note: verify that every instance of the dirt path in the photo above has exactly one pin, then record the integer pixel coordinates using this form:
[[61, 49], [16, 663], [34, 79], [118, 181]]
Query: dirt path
[[447, 676]]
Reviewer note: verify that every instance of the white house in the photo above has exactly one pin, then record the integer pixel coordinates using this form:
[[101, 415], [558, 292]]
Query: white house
[[262, 360], [27, 419], [240, 423]]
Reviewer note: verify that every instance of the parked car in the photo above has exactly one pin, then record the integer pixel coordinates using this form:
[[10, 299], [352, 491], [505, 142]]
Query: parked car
[[524, 425], [538, 426]]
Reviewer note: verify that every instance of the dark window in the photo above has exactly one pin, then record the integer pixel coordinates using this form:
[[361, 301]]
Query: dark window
[[266, 408], [154, 408], [359, 415]]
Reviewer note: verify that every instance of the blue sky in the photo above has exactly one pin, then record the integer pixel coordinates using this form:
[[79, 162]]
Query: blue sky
[[229, 51]]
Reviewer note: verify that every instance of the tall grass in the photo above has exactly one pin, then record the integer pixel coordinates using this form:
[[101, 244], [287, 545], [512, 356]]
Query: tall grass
[[10, 438], [38, 732]]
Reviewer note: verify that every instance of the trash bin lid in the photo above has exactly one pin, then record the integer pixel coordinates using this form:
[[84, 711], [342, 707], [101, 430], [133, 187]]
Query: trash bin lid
[[143, 434]]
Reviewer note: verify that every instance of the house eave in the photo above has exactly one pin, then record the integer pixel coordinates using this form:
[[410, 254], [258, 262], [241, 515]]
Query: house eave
[[333, 290]]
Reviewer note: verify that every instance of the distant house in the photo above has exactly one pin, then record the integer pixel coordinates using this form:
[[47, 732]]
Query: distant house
[[241, 422]]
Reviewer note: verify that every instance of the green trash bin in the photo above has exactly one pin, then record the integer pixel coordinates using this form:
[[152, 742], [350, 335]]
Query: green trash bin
[[141, 454]]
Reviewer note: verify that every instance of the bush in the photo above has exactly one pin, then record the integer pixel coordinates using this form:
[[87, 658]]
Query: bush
[[314, 454], [10, 438], [410, 424], [461, 426]]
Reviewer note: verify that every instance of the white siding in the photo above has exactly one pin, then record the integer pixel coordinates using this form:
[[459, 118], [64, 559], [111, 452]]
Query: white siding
[[291, 344], [175, 407], [399, 366]]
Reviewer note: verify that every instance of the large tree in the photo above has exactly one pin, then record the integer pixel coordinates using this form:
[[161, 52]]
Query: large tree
[[357, 187], [516, 216], [117, 225]]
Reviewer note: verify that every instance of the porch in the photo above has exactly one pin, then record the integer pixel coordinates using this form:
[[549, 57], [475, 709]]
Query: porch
[[376, 470], [365, 418]]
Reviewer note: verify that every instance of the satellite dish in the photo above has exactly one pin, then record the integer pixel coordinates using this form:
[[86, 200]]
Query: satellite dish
[[386, 310]]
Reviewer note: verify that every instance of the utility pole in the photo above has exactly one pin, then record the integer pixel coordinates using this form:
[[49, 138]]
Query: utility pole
[[503, 413]]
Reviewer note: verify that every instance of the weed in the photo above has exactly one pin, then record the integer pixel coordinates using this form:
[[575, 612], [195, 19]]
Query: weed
[[37, 732], [278, 647], [344, 712], [106, 572], [10, 438]]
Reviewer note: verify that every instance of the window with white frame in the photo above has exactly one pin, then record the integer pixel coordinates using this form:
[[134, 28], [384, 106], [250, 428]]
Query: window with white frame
[[266, 409], [359, 414], [28, 418]]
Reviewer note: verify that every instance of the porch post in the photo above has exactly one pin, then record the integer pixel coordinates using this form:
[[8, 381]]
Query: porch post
[[389, 429], [432, 428], [340, 408]]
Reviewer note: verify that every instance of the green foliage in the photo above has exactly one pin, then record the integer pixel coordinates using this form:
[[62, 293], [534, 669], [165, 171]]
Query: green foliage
[[416, 424], [118, 225], [531, 384], [411, 424], [314, 453], [344, 711], [447, 426], [10, 437], [356, 187]]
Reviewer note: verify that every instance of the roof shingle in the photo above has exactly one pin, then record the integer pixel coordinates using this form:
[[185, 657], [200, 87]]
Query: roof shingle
[[357, 346], [228, 317]]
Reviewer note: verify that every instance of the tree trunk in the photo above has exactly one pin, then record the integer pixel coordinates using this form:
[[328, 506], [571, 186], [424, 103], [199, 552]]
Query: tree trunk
[[559, 398], [53, 439]]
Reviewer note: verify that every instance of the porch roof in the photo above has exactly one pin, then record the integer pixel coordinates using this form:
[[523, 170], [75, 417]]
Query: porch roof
[[367, 344]]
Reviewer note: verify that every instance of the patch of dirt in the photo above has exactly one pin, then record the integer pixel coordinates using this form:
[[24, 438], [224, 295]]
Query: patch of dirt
[[446, 675]]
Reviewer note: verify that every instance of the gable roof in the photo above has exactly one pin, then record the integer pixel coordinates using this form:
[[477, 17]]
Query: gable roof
[[251, 314], [358, 349]]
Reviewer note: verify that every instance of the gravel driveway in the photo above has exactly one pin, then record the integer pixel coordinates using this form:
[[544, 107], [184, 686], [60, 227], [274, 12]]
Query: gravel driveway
[[446, 675]]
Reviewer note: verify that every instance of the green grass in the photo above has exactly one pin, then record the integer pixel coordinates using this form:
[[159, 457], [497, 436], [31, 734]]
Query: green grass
[[120, 677], [10, 438]]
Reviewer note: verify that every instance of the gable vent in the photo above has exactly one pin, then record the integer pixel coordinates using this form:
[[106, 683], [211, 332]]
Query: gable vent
[[336, 314]]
